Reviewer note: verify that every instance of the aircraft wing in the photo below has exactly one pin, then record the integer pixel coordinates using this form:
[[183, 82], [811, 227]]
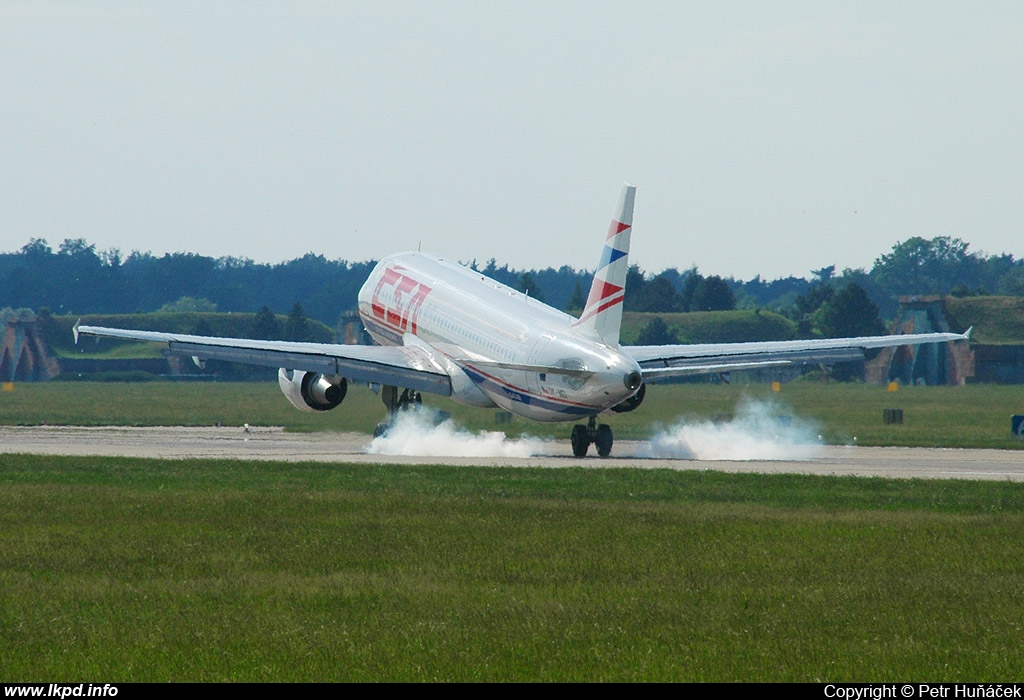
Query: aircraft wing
[[407, 366], [663, 362]]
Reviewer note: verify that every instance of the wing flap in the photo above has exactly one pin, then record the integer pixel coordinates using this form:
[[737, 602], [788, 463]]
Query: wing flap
[[655, 375]]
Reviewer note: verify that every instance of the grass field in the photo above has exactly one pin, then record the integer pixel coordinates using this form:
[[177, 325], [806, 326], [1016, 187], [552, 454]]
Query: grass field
[[948, 416], [149, 570]]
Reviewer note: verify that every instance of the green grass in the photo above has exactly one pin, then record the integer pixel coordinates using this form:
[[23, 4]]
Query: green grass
[[950, 416], [179, 403], [996, 320], [973, 416], [149, 570]]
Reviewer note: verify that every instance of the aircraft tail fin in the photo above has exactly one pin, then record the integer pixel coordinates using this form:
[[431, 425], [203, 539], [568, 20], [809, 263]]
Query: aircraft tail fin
[[602, 315]]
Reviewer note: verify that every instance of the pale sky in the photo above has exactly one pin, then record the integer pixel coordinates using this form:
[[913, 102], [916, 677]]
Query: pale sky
[[766, 138]]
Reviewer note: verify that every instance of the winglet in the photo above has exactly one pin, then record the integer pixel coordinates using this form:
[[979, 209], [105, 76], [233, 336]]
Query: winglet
[[75, 330], [602, 315], [967, 333]]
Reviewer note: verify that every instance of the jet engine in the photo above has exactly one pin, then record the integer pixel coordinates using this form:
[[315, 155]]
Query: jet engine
[[632, 402], [309, 391]]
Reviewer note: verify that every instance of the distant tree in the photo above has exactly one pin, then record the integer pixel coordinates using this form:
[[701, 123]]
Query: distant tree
[[297, 327], [528, 285], [111, 257], [674, 277], [578, 300], [713, 294], [189, 304], [79, 279], [807, 305], [656, 332], [501, 274], [20, 314], [37, 247], [810, 302], [691, 284], [776, 294], [636, 282], [558, 285], [1012, 283], [45, 323], [658, 296], [824, 274], [265, 325], [994, 268], [76, 246], [888, 305], [172, 276], [848, 314], [919, 266], [962, 290]]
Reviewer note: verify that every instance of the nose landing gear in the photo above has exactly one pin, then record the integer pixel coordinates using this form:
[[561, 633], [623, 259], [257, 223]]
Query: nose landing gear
[[591, 433]]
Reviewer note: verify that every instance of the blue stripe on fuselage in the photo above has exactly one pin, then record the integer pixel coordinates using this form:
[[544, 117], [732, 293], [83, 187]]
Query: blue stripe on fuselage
[[493, 385]]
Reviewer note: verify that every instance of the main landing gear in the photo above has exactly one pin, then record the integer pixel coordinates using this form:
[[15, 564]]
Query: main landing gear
[[584, 435], [396, 400]]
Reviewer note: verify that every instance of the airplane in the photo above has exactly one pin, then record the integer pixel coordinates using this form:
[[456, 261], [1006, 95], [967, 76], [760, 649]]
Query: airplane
[[445, 329]]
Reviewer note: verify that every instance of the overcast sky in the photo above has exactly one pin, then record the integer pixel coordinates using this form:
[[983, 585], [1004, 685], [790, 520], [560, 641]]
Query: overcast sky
[[768, 138]]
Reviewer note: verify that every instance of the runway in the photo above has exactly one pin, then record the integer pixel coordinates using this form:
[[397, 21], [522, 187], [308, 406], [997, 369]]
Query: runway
[[274, 444]]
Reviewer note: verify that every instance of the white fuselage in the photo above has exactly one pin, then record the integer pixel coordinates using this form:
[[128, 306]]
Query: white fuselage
[[501, 347]]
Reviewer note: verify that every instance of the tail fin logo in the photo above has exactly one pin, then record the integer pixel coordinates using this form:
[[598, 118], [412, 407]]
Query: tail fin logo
[[602, 315]]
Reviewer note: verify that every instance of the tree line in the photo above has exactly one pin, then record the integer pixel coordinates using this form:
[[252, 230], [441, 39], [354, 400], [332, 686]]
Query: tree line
[[77, 279]]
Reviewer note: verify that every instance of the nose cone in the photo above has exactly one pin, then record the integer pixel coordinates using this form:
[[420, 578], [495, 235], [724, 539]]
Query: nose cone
[[614, 377], [633, 380], [623, 378]]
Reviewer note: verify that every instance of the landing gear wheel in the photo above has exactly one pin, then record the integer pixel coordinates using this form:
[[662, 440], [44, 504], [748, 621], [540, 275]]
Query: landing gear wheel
[[410, 399], [396, 400], [580, 440], [603, 440]]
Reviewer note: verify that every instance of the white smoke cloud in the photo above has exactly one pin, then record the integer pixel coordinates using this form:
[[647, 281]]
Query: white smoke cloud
[[758, 431], [415, 434]]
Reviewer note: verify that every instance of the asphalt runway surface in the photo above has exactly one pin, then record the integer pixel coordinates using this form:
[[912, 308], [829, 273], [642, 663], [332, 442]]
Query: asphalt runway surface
[[274, 444]]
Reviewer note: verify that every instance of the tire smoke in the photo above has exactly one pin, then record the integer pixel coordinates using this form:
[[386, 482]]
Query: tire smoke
[[415, 434], [760, 430]]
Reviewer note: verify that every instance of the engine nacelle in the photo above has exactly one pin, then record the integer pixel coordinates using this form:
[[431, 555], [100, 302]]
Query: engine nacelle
[[309, 391], [633, 401]]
